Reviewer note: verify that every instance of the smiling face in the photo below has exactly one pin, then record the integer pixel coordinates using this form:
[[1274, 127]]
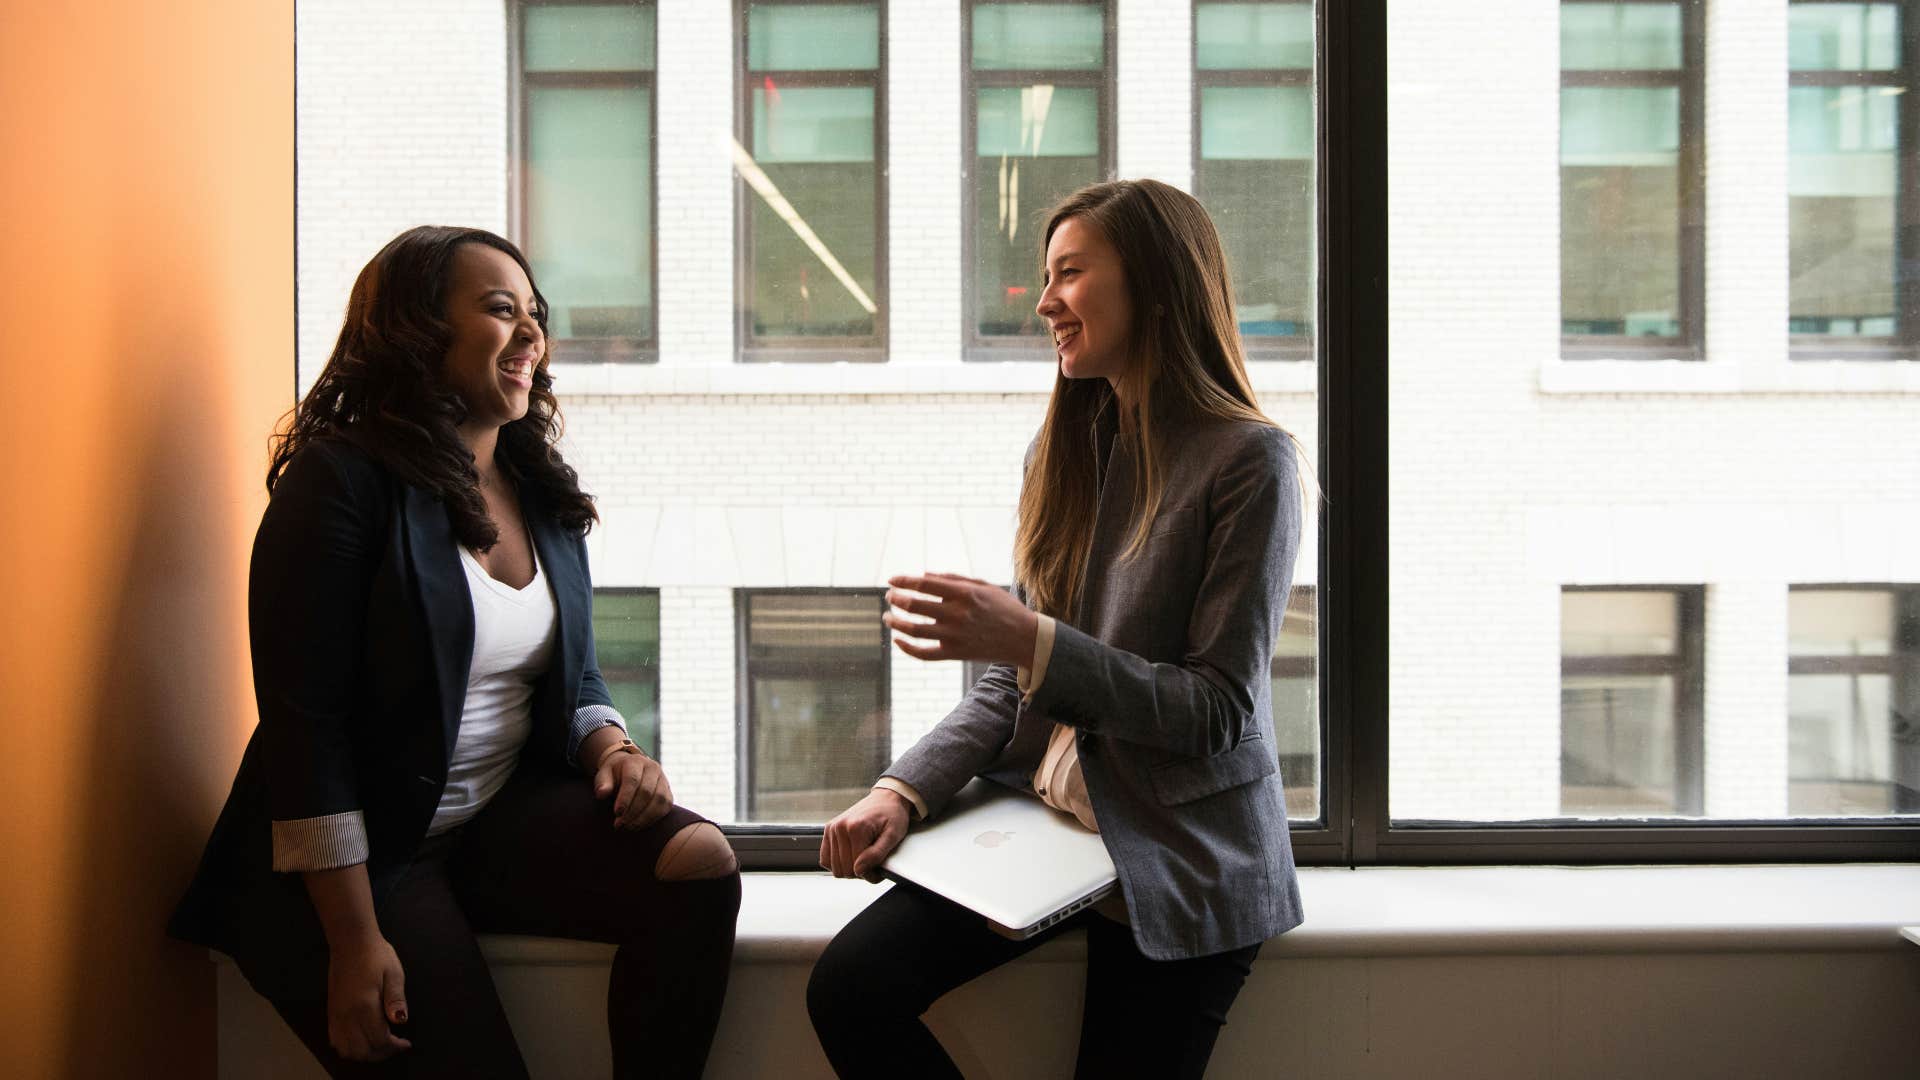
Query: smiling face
[[496, 341], [1085, 303]]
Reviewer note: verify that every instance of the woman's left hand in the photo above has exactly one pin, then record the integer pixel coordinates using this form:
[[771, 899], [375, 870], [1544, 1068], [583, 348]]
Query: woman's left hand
[[641, 795], [965, 618]]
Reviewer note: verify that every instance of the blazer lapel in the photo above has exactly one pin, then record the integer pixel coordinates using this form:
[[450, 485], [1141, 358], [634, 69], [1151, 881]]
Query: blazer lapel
[[445, 601]]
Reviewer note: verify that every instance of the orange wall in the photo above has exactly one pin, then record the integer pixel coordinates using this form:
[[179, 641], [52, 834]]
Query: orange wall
[[146, 337]]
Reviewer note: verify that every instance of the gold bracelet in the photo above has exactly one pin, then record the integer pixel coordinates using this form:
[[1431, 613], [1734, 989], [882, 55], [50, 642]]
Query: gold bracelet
[[624, 746]]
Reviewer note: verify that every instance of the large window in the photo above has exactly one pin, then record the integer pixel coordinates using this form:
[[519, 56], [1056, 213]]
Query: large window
[[1571, 184], [1254, 162], [813, 195], [1039, 126], [1847, 121], [586, 202], [626, 637], [1854, 700], [815, 714], [1630, 702], [1630, 192]]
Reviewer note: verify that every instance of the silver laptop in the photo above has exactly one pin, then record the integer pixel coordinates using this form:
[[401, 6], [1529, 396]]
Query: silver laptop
[[1009, 857]]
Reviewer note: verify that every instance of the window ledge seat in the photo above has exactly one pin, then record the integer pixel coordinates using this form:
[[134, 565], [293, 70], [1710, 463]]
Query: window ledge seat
[[1493, 972], [1432, 911]]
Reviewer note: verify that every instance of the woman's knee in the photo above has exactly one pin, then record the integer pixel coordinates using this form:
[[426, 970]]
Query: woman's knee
[[698, 852]]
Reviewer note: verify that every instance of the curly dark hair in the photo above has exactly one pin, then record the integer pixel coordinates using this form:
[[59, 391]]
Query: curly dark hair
[[383, 390]]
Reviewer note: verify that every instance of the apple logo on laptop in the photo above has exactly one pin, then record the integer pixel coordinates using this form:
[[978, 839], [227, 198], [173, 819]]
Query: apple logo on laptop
[[992, 838]]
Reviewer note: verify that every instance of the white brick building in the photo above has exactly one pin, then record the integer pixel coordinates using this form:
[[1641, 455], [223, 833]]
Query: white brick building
[[1514, 472]]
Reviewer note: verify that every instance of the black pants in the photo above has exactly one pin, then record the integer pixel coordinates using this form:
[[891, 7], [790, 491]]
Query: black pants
[[1143, 1017], [542, 858]]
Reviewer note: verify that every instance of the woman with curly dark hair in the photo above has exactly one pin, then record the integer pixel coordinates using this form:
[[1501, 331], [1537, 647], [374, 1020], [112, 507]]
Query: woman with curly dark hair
[[437, 753]]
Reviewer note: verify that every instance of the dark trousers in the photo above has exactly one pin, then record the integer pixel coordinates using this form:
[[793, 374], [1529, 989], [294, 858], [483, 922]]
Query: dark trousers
[[1143, 1017], [542, 858]]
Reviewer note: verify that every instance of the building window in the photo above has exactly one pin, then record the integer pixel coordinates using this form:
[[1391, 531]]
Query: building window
[[585, 193], [1254, 163], [1295, 676], [1853, 700], [1039, 104], [814, 701], [1847, 120], [1630, 702], [812, 194], [1630, 178], [626, 639]]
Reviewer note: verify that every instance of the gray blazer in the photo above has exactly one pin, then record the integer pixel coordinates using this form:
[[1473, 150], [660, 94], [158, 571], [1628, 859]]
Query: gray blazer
[[1163, 671]]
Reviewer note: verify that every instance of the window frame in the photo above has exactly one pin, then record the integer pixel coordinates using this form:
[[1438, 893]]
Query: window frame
[[1260, 348], [751, 348], [1904, 345], [619, 350], [975, 346], [1690, 80]]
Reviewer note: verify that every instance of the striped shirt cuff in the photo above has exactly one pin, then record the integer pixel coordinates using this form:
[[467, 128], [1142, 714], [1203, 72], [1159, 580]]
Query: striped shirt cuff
[[320, 843], [1029, 677], [904, 790], [588, 719]]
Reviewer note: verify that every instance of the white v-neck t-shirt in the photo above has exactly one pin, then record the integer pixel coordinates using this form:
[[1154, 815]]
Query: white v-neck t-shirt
[[513, 632]]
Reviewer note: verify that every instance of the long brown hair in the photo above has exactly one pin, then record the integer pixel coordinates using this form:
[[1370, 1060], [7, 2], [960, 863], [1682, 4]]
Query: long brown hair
[[383, 390], [1187, 362]]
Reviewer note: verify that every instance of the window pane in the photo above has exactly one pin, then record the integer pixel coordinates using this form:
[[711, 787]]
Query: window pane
[[1620, 37], [626, 638], [818, 719], [1253, 36], [816, 37], [589, 37], [1842, 187], [590, 208], [1619, 623], [1843, 37], [1620, 211], [1839, 622], [816, 147], [1256, 177], [1042, 37], [1036, 145], [1617, 745], [1296, 704]]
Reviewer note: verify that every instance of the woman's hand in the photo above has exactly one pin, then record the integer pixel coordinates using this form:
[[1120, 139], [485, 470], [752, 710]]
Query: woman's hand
[[366, 991], [861, 838], [965, 618], [641, 794]]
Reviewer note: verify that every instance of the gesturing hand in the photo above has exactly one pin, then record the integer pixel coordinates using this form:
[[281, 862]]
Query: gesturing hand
[[641, 795], [861, 838], [366, 991], [965, 618]]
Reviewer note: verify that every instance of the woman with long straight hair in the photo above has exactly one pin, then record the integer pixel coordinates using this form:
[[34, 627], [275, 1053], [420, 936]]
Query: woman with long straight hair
[[1159, 519], [437, 752]]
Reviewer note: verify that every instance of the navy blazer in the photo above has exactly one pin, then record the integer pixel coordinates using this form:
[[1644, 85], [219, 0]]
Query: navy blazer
[[361, 627]]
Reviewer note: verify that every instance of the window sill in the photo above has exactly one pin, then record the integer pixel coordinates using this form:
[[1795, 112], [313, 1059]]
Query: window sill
[[1561, 376], [1435, 911], [841, 377]]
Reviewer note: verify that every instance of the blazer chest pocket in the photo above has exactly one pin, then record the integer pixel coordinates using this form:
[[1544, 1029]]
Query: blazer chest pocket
[[1178, 519], [1188, 779]]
